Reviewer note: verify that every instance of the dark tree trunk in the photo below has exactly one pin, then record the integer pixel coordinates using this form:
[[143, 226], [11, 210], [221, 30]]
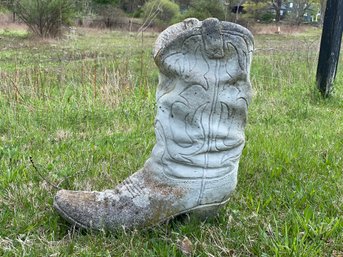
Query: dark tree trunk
[[277, 4], [278, 15], [330, 46]]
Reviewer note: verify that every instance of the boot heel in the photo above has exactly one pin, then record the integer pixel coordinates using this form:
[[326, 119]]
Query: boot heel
[[206, 212]]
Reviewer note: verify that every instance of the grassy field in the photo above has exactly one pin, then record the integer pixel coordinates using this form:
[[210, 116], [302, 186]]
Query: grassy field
[[78, 113]]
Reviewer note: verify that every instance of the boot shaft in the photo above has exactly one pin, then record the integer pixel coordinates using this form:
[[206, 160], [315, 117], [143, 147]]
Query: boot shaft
[[202, 98]]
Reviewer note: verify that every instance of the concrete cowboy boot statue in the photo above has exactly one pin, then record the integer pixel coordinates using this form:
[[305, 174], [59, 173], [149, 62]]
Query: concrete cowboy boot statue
[[202, 100]]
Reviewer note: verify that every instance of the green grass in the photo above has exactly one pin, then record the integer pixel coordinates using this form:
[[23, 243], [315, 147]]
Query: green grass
[[83, 110]]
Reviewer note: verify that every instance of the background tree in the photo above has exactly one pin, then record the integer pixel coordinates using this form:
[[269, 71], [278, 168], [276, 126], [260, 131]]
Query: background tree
[[300, 8], [9, 5], [114, 13], [202, 9], [277, 5], [160, 12], [259, 10], [131, 6], [83, 7], [184, 4], [111, 2]]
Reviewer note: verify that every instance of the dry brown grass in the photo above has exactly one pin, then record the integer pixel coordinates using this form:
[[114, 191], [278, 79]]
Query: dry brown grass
[[6, 23], [267, 29]]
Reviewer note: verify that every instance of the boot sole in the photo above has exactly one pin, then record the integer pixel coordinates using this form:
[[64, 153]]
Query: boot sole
[[206, 211], [201, 212]]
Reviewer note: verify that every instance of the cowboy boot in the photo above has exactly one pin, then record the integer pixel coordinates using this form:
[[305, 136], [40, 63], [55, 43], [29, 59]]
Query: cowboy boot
[[202, 101]]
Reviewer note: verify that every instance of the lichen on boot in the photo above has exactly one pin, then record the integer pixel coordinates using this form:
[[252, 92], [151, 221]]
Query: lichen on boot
[[202, 101]]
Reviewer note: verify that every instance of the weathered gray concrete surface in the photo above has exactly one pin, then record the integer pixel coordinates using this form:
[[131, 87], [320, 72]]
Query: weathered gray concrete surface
[[202, 101]]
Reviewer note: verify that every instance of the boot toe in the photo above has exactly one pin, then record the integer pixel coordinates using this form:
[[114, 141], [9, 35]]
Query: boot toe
[[76, 207]]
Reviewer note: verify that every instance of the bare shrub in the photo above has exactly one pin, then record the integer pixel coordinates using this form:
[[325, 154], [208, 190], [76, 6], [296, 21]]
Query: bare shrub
[[43, 17]]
